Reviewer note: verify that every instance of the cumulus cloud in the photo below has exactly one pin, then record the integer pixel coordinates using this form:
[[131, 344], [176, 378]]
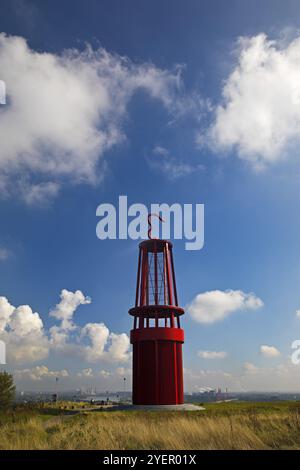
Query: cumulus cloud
[[39, 194], [104, 345], [213, 306], [38, 373], [119, 347], [212, 354], [198, 380], [104, 374], [250, 368], [86, 373], [298, 313], [93, 341], [65, 309], [23, 332], [269, 351], [282, 377], [122, 371], [28, 341], [65, 111], [260, 113], [98, 335], [60, 335], [6, 310]]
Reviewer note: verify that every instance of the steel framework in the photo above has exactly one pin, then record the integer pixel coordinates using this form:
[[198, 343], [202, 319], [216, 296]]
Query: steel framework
[[156, 336]]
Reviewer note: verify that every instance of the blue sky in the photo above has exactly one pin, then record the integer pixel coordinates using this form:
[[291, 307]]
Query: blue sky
[[235, 153]]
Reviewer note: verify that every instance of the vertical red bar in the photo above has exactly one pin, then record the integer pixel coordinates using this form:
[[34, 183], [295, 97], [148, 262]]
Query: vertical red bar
[[180, 373], [175, 372], [157, 401], [142, 279], [165, 277], [147, 285], [155, 275], [173, 276], [147, 278], [170, 290], [143, 287], [138, 279]]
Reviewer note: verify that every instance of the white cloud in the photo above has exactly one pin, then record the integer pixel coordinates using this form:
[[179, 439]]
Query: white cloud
[[6, 309], [282, 377], [269, 351], [65, 309], [250, 368], [98, 335], [65, 111], [93, 341], [212, 354], [112, 377], [260, 113], [86, 373], [197, 380], [122, 371], [119, 347], [172, 168], [216, 305], [39, 194], [38, 373], [105, 373], [28, 341], [104, 344], [23, 332], [298, 313], [42, 378]]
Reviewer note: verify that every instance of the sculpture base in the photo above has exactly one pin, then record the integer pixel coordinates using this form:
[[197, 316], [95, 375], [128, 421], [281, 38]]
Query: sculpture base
[[183, 407], [157, 366]]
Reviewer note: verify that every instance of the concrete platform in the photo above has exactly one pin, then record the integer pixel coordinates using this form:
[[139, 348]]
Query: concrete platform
[[183, 407]]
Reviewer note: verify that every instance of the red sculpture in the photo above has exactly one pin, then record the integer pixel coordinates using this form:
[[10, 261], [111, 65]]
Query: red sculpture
[[156, 335]]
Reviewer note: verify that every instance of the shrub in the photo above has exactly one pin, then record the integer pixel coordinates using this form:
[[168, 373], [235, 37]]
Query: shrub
[[7, 390]]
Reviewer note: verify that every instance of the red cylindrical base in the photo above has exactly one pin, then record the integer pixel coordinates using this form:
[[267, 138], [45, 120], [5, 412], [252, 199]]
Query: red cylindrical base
[[157, 366]]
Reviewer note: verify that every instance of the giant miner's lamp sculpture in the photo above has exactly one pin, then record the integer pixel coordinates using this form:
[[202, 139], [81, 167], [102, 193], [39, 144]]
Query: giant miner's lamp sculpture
[[156, 336]]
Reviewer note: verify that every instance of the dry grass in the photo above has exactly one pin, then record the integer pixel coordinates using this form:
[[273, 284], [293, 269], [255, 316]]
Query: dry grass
[[249, 428]]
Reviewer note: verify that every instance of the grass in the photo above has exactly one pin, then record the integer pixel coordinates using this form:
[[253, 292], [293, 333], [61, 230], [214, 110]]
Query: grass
[[234, 425]]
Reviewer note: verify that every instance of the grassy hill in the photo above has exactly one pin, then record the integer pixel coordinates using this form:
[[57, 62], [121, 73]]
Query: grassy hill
[[235, 425]]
